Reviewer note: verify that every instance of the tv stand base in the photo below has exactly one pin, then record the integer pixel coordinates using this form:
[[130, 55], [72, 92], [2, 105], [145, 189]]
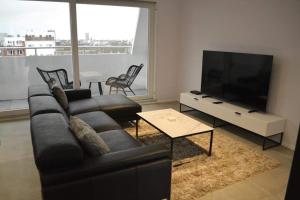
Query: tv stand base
[[252, 111], [274, 143], [267, 143]]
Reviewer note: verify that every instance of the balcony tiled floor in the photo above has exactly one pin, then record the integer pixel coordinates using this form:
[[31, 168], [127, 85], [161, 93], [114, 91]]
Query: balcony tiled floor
[[19, 104], [7, 105]]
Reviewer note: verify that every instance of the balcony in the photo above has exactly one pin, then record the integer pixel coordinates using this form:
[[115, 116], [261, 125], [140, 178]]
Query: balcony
[[18, 72]]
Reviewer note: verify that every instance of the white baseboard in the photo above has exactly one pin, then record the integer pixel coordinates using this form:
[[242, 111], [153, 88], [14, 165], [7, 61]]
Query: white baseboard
[[289, 146], [156, 101], [166, 101], [14, 115]]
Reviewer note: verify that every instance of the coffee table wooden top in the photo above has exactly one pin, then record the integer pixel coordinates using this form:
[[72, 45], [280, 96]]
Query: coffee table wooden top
[[174, 123]]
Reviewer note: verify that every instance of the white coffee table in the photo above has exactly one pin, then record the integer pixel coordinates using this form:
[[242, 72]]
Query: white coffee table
[[175, 125]]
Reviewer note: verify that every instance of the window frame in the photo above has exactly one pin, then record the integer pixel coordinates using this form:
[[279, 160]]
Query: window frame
[[151, 79]]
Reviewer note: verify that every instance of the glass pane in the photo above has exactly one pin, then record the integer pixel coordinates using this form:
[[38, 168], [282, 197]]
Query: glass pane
[[32, 34], [111, 39]]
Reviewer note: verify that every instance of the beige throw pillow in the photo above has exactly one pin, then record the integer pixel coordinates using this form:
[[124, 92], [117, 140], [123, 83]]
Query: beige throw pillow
[[88, 138], [60, 96]]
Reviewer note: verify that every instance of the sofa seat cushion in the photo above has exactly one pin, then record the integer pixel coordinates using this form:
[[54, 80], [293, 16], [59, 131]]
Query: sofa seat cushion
[[118, 106], [99, 121], [83, 106], [119, 140]]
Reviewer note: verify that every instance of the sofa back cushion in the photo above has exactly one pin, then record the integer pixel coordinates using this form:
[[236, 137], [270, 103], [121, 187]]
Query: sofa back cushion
[[44, 104], [39, 90], [53, 143]]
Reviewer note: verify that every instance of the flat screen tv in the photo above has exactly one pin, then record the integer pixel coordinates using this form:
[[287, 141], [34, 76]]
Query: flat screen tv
[[239, 78]]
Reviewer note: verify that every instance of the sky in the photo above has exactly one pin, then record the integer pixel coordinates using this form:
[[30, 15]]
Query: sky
[[101, 22]]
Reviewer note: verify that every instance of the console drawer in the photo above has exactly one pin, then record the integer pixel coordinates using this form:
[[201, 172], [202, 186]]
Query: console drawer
[[199, 103]]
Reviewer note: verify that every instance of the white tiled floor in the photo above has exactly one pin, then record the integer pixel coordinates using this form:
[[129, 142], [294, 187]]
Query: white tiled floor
[[19, 177]]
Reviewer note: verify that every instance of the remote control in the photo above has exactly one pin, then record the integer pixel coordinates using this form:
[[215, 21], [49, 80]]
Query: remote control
[[196, 92], [217, 102]]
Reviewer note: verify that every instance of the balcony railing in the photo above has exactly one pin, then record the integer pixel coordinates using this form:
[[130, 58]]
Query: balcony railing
[[66, 50]]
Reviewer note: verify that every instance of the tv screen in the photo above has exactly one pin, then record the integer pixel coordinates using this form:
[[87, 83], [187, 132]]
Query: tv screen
[[237, 77]]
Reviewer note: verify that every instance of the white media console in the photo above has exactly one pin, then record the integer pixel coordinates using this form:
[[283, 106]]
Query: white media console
[[264, 124]]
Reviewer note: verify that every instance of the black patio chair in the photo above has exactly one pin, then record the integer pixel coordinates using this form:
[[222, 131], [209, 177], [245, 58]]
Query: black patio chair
[[59, 75], [124, 80]]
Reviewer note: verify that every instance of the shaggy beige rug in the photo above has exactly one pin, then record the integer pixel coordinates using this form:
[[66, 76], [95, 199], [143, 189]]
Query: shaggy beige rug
[[195, 174]]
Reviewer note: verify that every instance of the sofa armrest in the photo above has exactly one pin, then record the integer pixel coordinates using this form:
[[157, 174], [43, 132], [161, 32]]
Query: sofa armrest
[[74, 95], [108, 163]]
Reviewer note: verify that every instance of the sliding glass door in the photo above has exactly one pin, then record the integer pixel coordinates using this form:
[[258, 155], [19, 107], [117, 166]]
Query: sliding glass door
[[110, 40], [32, 34]]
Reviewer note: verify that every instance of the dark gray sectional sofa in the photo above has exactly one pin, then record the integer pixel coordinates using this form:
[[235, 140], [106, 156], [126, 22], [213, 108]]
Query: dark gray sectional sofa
[[130, 171]]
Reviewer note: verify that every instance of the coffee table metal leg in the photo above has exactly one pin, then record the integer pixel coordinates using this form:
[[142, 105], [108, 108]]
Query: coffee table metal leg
[[100, 88], [211, 142], [137, 128], [171, 149]]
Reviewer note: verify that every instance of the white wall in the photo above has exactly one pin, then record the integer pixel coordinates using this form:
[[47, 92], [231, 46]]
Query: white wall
[[253, 26], [167, 49]]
